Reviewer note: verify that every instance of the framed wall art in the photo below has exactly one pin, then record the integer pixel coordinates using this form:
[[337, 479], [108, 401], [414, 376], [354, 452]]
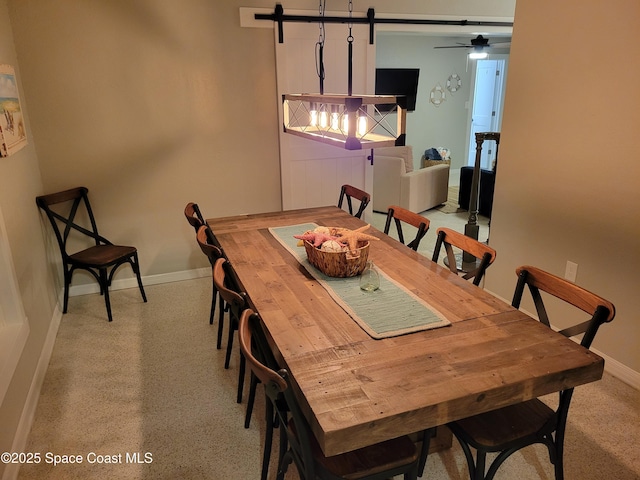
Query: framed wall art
[[13, 133]]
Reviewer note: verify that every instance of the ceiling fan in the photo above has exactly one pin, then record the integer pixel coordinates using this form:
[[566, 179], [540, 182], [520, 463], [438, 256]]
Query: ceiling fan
[[479, 44]]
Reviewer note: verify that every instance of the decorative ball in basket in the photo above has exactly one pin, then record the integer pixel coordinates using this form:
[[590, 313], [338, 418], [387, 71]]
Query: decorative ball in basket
[[337, 252]]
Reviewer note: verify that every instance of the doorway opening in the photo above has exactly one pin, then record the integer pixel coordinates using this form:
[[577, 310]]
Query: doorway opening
[[487, 103]]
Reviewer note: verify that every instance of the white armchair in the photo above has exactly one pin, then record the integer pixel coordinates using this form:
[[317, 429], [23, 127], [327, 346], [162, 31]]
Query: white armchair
[[396, 183]]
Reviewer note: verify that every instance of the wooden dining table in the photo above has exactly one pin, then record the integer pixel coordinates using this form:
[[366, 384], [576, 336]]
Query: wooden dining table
[[355, 390]]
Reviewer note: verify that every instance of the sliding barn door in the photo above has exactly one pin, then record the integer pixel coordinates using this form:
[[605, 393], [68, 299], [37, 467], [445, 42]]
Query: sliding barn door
[[312, 173]]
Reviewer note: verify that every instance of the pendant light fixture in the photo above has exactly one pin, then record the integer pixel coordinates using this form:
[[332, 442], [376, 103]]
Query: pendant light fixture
[[348, 121]]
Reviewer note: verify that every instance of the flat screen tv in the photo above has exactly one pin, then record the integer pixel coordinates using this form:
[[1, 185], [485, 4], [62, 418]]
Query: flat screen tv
[[398, 81]]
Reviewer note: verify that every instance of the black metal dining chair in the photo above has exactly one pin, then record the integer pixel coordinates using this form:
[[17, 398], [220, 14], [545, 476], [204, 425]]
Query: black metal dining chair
[[101, 258], [235, 301], [482, 254], [196, 220], [349, 192], [212, 253], [193, 215], [297, 442], [514, 427], [401, 215]]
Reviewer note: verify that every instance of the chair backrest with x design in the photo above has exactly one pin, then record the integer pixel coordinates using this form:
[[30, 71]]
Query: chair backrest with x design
[[349, 192], [538, 280], [484, 254], [64, 221], [399, 215], [511, 428], [71, 217]]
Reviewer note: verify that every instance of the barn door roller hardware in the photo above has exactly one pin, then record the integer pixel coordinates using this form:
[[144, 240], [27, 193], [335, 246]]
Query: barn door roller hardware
[[279, 16]]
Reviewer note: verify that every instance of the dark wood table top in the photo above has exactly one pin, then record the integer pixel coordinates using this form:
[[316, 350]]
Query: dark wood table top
[[357, 391]]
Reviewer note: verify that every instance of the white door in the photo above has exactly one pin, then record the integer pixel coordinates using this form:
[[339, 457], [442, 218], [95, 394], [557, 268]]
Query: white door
[[311, 172], [486, 115]]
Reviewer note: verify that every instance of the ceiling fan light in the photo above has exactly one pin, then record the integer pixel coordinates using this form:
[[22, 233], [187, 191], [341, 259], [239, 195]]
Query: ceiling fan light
[[478, 55]]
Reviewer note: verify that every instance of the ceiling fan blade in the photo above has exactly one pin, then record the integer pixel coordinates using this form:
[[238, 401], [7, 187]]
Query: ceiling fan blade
[[480, 43]]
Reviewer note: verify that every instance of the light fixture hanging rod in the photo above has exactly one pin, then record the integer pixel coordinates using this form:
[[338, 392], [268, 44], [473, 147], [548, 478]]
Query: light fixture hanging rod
[[279, 17]]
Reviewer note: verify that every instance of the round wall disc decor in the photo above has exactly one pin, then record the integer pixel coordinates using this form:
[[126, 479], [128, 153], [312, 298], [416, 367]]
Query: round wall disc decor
[[437, 95], [454, 83]]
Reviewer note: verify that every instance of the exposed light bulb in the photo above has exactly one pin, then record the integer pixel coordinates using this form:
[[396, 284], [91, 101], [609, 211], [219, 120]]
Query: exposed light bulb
[[335, 121], [324, 119], [313, 114], [362, 125]]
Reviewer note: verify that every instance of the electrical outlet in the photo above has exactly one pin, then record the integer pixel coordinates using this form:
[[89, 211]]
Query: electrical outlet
[[571, 271]]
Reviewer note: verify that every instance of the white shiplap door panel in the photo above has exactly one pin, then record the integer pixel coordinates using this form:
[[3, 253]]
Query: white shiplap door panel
[[312, 173], [318, 181]]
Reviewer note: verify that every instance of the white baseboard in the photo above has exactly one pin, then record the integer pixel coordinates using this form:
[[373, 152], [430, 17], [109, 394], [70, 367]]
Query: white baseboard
[[620, 370], [131, 282]]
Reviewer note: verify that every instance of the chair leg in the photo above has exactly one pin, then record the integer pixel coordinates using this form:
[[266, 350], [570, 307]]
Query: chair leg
[[471, 464], [481, 459], [214, 295], [241, 371], [424, 450], [268, 439], [412, 474], [558, 464], [250, 401], [284, 446], [67, 283], [136, 269], [229, 341], [283, 466], [104, 285], [220, 324]]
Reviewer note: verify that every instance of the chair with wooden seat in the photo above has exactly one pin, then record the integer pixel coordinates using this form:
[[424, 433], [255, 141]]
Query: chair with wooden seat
[[400, 215], [212, 253], [262, 352], [196, 220], [193, 215], [297, 442], [74, 224], [512, 428], [483, 253], [236, 302], [349, 192]]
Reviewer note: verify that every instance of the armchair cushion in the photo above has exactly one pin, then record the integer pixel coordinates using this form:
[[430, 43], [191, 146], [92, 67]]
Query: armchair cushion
[[417, 191], [405, 152]]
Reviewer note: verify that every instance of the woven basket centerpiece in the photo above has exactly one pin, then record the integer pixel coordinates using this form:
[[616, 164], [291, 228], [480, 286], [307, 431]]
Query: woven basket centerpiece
[[347, 263], [337, 252]]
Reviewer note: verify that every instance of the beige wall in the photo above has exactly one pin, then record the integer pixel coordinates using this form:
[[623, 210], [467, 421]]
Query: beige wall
[[151, 105], [568, 184]]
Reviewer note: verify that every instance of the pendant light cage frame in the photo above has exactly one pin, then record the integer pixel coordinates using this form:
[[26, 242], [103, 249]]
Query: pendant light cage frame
[[353, 122]]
